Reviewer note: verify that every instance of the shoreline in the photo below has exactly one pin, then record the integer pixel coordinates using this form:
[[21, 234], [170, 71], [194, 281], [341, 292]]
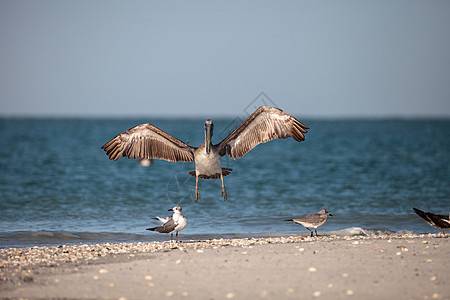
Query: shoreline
[[264, 267], [56, 238]]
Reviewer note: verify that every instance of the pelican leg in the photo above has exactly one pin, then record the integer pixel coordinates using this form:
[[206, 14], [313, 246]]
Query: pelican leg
[[224, 192], [197, 193]]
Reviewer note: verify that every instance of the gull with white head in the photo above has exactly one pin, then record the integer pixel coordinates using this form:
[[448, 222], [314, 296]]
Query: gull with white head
[[171, 224]]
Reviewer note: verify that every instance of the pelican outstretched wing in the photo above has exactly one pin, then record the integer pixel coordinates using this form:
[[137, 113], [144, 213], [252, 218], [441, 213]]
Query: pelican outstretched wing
[[265, 124], [148, 141]]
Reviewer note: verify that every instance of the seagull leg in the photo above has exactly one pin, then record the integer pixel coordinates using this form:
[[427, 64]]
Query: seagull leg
[[443, 232], [197, 193], [315, 229], [224, 192], [312, 233], [176, 236]]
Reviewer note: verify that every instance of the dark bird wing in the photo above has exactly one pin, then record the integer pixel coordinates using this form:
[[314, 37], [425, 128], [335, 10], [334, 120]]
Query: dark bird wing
[[148, 141], [313, 219], [167, 227], [438, 221], [265, 124]]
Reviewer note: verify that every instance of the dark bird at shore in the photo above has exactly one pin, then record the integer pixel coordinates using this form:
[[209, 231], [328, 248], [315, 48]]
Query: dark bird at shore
[[439, 221], [147, 141], [171, 224], [313, 221]]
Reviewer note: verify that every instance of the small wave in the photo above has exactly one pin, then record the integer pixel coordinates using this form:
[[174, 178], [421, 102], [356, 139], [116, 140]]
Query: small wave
[[352, 231], [22, 239]]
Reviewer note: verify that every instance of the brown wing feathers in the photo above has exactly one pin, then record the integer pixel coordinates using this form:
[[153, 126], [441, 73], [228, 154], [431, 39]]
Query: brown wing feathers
[[265, 124], [297, 130], [148, 141]]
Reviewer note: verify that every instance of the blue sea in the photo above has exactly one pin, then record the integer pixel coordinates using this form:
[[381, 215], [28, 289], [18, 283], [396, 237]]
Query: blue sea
[[57, 186]]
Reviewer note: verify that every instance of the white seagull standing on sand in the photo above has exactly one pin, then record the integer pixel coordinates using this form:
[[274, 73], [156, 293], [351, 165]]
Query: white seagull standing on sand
[[147, 141], [313, 221], [171, 224]]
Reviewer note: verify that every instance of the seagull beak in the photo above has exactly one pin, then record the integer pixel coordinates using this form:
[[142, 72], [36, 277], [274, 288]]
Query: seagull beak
[[330, 215], [170, 209]]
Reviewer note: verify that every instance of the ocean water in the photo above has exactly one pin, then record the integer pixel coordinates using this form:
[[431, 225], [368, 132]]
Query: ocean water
[[58, 187]]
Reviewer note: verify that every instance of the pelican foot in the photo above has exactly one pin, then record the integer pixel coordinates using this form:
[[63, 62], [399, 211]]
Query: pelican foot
[[224, 192], [197, 195]]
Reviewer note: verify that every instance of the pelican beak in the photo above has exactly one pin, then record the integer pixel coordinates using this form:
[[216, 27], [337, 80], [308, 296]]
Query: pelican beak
[[208, 149], [208, 135]]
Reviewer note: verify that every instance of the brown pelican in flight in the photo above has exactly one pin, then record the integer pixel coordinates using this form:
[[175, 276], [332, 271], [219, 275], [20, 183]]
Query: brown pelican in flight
[[147, 141]]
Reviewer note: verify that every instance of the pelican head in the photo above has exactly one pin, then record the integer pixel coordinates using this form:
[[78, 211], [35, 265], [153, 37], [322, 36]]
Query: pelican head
[[209, 127]]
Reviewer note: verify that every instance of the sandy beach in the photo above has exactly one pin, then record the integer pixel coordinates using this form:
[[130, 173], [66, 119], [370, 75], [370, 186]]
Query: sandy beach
[[296, 267]]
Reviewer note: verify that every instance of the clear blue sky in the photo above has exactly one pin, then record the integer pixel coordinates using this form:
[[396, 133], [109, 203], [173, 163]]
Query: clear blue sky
[[210, 58]]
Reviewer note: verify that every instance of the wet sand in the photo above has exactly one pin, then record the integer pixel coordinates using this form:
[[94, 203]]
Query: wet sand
[[330, 267]]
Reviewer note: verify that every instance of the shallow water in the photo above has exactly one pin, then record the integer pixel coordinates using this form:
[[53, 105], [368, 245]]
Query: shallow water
[[57, 185]]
